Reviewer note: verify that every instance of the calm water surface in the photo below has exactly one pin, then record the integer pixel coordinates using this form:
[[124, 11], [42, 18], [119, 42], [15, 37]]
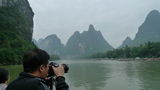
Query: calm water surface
[[112, 75]]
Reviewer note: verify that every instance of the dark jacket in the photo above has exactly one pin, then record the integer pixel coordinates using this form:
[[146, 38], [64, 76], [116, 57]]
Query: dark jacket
[[26, 81]]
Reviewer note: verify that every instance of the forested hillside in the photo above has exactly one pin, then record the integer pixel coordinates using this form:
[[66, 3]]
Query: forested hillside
[[15, 34], [148, 50]]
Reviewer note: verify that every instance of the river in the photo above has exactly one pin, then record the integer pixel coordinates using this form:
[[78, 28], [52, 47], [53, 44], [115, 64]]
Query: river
[[112, 75]]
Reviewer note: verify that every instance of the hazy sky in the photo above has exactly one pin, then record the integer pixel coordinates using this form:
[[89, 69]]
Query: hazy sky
[[116, 19]]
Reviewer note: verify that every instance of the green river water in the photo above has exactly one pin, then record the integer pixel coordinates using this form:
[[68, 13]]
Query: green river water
[[112, 75], [107, 74]]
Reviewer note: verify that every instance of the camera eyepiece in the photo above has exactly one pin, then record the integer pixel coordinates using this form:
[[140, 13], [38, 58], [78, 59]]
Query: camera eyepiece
[[51, 72]]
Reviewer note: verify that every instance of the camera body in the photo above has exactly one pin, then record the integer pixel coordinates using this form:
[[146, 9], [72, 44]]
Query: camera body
[[51, 72]]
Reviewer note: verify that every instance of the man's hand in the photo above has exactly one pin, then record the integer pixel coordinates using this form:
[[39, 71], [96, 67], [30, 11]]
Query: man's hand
[[59, 71]]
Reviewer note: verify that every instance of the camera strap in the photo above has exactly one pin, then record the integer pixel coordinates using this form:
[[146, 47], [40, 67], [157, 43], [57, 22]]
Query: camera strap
[[50, 82]]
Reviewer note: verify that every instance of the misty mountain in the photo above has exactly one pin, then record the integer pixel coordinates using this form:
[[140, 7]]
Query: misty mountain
[[88, 42], [51, 44], [78, 44], [34, 41], [149, 30], [40, 41], [125, 42], [92, 41]]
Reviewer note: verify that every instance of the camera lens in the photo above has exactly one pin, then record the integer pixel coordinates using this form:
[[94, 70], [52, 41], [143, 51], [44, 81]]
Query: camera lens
[[51, 73], [66, 68]]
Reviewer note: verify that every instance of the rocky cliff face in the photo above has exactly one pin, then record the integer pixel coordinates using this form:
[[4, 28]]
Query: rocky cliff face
[[88, 42], [51, 44], [24, 8], [16, 28], [149, 30]]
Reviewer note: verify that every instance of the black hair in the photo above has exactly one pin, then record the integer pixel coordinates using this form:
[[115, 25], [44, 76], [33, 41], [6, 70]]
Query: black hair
[[4, 75], [33, 59]]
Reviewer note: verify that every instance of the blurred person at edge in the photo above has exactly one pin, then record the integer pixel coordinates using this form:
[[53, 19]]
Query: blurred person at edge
[[4, 78], [36, 66]]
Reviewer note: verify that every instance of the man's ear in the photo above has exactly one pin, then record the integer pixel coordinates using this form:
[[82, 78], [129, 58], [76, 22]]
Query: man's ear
[[41, 68]]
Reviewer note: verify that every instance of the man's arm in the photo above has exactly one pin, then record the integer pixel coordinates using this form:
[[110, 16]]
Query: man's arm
[[61, 84], [60, 80]]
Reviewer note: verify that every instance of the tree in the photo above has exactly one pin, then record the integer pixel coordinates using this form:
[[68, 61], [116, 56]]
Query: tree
[[54, 57]]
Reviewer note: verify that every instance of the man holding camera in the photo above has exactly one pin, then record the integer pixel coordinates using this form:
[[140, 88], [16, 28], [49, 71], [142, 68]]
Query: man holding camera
[[36, 67]]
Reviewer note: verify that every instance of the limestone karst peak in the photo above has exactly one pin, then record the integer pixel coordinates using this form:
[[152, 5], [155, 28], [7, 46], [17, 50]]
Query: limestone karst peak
[[91, 28]]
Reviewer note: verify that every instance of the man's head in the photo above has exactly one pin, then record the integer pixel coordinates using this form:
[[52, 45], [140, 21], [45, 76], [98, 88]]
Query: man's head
[[4, 75], [34, 60]]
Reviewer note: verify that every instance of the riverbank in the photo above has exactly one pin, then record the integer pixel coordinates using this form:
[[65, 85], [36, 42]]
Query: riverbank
[[139, 59], [14, 70]]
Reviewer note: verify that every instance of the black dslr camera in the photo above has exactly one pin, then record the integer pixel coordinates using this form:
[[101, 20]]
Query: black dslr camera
[[51, 73]]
